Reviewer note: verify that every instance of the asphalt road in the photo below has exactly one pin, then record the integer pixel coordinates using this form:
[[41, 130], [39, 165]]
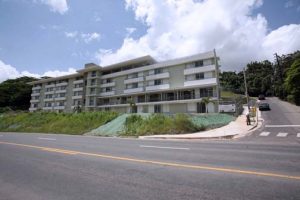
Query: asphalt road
[[281, 124], [46, 166]]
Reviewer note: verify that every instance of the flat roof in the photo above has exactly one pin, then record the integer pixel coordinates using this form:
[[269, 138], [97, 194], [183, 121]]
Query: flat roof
[[45, 80], [92, 66], [129, 62]]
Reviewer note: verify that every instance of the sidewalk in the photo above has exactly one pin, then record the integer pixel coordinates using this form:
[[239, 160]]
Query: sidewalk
[[237, 128]]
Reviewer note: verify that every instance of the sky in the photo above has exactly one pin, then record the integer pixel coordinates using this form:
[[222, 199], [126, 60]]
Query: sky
[[57, 37]]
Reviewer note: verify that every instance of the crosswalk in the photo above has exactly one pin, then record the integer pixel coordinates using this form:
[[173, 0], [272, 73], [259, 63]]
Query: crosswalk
[[279, 134]]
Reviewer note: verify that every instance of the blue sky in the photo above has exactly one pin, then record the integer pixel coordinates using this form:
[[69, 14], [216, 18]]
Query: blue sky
[[56, 37]]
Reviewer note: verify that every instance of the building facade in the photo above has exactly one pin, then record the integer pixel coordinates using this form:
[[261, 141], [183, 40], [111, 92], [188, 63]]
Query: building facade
[[137, 85]]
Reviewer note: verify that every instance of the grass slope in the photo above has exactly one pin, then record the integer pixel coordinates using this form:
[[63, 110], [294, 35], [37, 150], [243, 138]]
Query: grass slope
[[66, 123]]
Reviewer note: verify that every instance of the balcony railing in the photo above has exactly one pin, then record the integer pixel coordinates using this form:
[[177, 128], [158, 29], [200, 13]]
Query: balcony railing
[[201, 82]]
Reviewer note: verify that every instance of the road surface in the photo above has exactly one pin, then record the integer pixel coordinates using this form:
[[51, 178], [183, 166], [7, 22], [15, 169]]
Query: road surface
[[48, 166]]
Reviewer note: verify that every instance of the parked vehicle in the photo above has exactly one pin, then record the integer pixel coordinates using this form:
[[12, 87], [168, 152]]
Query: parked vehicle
[[264, 106], [261, 97]]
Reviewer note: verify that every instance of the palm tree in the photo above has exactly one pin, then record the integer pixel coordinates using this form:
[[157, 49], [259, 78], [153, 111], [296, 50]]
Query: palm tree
[[206, 101], [131, 104]]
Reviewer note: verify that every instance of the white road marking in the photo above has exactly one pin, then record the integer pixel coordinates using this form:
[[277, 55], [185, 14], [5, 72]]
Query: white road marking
[[159, 147], [298, 134], [279, 126], [282, 134], [264, 134], [44, 138]]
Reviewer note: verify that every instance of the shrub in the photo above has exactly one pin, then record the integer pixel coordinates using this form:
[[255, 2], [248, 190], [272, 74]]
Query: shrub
[[68, 123]]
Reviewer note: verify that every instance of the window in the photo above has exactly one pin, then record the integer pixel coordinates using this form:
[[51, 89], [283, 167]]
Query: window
[[199, 76], [206, 92], [158, 71], [199, 63], [77, 93], [48, 96], [91, 102], [93, 82], [158, 82], [134, 85], [93, 90], [60, 103], [134, 75], [108, 80], [76, 102], [157, 108], [79, 85], [93, 74]]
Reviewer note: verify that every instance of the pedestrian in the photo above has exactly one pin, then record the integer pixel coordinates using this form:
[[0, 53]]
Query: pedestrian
[[248, 119]]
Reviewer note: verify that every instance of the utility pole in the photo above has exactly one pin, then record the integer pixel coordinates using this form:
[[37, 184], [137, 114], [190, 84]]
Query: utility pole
[[246, 90]]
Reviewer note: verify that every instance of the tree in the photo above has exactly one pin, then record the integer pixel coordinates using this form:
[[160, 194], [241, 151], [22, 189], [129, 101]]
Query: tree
[[16, 93], [206, 101], [259, 78], [292, 82]]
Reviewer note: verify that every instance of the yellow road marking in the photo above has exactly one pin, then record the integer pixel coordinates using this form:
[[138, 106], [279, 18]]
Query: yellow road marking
[[60, 151], [202, 167]]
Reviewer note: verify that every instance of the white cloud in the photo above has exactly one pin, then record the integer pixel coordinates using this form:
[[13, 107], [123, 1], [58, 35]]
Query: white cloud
[[71, 34], [88, 37], [60, 6], [177, 28], [85, 37], [129, 31], [9, 72], [289, 4]]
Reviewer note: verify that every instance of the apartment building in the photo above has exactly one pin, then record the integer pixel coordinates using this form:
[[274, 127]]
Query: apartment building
[[137, 85]]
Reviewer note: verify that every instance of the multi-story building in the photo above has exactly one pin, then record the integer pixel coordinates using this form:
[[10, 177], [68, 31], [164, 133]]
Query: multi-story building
[[137, 85]]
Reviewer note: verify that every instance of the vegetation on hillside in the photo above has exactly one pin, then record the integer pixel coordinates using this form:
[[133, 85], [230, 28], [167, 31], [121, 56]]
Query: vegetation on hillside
[[15, 94], [136, 125], [46, 122], [280, 78]]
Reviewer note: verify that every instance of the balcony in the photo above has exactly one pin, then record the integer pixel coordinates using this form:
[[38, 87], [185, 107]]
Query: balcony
[[35, 94], [78, 81], [158, 76], [62, 84], [133, 90], [34, 100], [32, 109], [59, 107], [50, 86], [202, 82], [60, 98], [134, 80], [158, 87], [107, 93], [111, 84], [36, 88], [47, 108], [77, 97], [78, 89], [60, 91], [50, 92], [196, 70], [49, 99]]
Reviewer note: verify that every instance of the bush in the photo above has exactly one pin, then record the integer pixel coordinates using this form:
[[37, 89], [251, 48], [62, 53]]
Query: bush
[[136, 125], [42, 122]]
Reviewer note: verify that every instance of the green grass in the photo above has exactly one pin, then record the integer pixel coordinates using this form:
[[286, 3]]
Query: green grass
[[66, 123], [229, 94], [136, 125], [213, 120]]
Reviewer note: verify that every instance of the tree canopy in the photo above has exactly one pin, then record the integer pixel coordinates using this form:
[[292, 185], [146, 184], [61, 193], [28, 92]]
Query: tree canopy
[[16, 93]]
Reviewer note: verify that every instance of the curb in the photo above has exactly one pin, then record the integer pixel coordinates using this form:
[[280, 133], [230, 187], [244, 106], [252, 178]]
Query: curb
[[189, 138]]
